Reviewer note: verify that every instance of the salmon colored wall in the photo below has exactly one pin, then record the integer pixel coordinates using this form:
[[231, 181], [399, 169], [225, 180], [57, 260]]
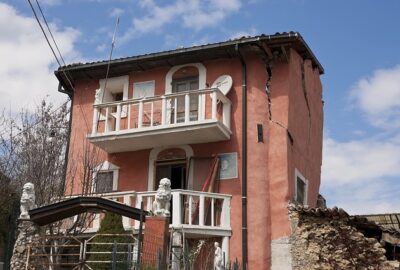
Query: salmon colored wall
[[270, 163], [305, 125]]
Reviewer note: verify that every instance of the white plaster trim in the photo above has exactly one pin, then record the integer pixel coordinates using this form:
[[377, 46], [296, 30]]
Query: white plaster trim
[[153, 157], [298, 174], [202, 85], [122, 80], [106, 166], [202, 76]]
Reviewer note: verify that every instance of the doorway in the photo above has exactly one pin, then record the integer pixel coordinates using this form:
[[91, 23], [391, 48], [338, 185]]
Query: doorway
[[174, 170], [183, 85]]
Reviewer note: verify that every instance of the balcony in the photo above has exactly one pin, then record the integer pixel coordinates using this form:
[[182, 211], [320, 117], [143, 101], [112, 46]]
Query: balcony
[[197, 213], [179, 118]]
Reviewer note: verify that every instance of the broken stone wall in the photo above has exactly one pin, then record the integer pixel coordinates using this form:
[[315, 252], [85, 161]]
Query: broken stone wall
[[324, 239]]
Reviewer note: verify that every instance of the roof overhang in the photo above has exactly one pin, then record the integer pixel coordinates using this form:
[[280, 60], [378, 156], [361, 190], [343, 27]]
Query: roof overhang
[[71, 207], [227, 49]]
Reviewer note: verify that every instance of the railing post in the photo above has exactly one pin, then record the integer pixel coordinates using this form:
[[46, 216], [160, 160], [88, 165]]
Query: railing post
[[95, 120], [225, 217], [129, 116], [200, 111], [190, 209], [125, 220], [212, 212], [187, 108], [214, 104], [177, 209], [140, 116], [226, 115], [139, 200], [106, 129], [118, 118], [201, 210], [163, 110]]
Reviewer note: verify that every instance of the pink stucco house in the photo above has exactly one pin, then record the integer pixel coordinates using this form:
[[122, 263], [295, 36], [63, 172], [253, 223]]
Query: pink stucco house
[[236, 126]]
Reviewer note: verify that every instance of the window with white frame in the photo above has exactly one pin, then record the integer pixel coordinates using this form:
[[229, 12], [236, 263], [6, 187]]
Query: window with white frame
[[301, 188], [105, 178], [113, 89], [143, 89]]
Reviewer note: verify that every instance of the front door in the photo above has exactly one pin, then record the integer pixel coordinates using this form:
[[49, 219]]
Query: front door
[[174, 170]]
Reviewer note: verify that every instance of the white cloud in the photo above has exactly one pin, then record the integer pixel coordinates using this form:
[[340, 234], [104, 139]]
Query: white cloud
[[378, 96], [360, 176], [193, 14], [251, 32], [359, 161], [26, 72], [116, 12]]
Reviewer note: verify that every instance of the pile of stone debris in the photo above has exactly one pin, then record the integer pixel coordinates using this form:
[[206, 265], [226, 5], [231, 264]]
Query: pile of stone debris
[[324, 238]]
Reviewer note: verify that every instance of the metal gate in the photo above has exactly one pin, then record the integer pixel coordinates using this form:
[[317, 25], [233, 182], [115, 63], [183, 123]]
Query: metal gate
[[70, 252]]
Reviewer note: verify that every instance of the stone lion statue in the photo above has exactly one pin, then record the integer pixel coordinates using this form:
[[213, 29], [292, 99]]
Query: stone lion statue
[[27, 200], [162, 200]]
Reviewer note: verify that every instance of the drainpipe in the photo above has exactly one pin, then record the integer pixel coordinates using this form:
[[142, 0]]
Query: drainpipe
[[244, 159]]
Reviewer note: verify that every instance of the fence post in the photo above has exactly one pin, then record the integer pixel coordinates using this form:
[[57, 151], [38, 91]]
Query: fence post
[[140, 237], [114, 257]]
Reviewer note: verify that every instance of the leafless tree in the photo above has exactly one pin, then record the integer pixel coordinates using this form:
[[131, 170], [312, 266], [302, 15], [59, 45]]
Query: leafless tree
[[33, 149]]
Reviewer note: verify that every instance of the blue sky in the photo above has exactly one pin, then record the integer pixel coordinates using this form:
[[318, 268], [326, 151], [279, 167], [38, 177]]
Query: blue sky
[[356, 41]]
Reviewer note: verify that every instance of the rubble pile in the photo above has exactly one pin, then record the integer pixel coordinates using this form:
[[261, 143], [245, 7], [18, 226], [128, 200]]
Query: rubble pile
[[324, 239]]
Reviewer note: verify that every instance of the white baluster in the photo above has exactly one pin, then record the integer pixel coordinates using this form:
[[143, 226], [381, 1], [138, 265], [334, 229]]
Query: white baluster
[[214, 104], [140, 116], [175, 110], [106, 128], [200, 115], [129, 116], [190, 209], [95, 120], [201, 210], [139, 199], [163, 110], [152, 114], [187, 108], [212, 212], [177, 209], [118, 120]]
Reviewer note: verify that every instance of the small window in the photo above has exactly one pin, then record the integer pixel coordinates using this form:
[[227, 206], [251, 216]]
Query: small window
[[105, 178], [104, 182], [301, 188], [143, 89]]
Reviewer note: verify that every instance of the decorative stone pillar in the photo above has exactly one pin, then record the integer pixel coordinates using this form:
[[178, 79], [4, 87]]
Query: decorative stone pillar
[[28, 237], [25, 246]]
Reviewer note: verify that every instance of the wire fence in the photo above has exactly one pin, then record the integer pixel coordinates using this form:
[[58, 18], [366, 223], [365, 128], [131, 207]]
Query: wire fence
[[100, 251]]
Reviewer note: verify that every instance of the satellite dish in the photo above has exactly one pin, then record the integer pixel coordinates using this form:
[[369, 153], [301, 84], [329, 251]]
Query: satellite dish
[[223, 83]]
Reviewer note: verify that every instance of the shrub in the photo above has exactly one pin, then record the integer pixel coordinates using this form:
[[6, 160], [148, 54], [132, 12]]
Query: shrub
[[111, 224]]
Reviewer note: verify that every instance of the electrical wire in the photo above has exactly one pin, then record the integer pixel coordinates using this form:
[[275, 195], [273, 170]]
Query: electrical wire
[[54, 54]]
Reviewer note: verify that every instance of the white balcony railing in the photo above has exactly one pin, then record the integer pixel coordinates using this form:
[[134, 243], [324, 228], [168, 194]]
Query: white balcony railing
[[197, 109], [200, 212]]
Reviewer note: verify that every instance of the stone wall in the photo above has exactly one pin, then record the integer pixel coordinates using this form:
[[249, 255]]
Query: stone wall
[[28, 236], [324, 239]]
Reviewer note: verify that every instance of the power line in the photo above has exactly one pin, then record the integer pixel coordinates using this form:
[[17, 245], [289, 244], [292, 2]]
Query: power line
[[51, 34], [54, 54]]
